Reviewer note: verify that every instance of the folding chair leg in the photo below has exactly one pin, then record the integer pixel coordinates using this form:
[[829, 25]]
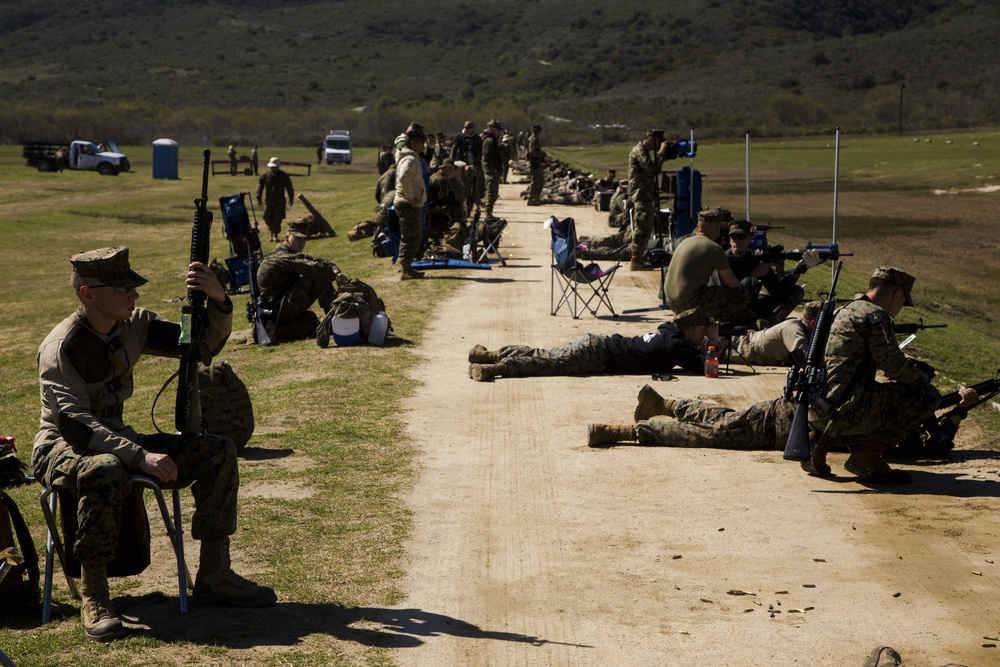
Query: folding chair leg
[[53, 547], [175, 530]]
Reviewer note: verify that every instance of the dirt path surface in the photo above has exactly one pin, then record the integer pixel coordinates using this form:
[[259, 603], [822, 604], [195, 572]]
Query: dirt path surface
[[530, 548]]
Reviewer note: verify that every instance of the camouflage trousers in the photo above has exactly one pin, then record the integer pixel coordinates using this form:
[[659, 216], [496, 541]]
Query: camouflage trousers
[[537, 175], [764, 425], [880, 413], [587, 355], [306, 291], [99, 481], [492, 191], [718, 302], [643, 217], [410, 229], [274, 215]]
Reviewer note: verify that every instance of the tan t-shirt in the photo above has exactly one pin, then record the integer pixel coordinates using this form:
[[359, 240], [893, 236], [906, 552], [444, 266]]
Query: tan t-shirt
[[779, 345], [692, 265]]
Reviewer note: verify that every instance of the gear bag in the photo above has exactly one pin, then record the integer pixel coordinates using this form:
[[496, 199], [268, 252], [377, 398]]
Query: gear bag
[[18, 558], [226, 408], [354, 299]]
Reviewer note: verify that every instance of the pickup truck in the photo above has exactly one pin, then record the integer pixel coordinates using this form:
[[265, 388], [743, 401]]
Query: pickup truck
[[81, 155]]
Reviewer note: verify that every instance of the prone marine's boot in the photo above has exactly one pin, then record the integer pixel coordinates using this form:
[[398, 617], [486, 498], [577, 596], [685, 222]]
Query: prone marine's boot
[[609, 434], [216, 582], [651, 404], [100, 623], [479, 354], [866, 462], [486, 372]]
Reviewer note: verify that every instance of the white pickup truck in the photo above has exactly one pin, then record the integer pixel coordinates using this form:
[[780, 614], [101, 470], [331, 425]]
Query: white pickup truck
[[82, 155]]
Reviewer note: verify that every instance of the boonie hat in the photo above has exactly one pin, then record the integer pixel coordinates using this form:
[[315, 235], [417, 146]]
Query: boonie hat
[[274, 162], [109, 265], [897, 277]]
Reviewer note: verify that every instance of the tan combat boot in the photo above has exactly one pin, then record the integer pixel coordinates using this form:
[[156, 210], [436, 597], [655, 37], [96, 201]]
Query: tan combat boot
[[486, 372], [480, 355], [609, 434], [651, 404], [409, 273], [866, 462], [216, 582], [100, 623], [818, 447]]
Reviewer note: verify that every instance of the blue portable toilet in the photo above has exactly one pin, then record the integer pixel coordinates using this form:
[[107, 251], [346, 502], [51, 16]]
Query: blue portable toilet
[[164, 158]]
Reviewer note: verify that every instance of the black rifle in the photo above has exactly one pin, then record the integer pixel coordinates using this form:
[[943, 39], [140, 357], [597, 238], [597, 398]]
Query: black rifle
[[913, 327], [730, 330], [937, 433], [257, 314], [187, 410], [776, 254], [805, 384], [767, 228]]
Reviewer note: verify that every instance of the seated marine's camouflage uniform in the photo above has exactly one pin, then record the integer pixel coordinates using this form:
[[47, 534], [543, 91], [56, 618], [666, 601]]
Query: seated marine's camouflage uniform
[[290, 282]]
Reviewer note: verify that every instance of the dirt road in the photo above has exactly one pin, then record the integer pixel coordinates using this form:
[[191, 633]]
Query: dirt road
[[530, 548]]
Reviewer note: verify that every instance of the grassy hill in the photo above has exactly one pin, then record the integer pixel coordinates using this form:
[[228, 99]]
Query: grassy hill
[[255, 71]]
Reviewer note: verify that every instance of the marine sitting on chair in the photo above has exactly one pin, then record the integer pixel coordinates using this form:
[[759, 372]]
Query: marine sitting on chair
[[84, 448], [291, 282], [673, 344]]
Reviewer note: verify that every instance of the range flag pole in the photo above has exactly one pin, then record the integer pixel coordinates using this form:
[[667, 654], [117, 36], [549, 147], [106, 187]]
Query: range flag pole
[[836, 182], [748, 174]]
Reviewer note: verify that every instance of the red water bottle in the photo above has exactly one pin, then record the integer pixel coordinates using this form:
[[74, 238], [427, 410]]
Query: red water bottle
[[711, 363]]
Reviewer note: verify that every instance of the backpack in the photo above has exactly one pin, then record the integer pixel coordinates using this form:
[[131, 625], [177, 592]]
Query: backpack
[[19, 585], [226, 408]]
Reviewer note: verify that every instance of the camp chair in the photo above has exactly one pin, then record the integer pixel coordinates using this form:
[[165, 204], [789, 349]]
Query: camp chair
[[245, 253], [489, 233], [55, 547], [573, 277]]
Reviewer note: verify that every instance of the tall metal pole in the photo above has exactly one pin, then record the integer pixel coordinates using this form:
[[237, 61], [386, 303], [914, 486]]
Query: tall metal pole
[[901, 87], [691, 189], [748, 174], [836, 182]]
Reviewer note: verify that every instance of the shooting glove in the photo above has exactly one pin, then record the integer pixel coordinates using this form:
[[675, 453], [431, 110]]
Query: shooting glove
[[810, 258]]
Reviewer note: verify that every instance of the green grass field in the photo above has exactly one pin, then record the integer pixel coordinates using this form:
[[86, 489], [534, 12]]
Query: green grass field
[[329, 438]]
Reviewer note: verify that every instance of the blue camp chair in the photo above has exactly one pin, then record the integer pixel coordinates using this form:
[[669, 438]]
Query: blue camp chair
[[245, 253], [574, 277]]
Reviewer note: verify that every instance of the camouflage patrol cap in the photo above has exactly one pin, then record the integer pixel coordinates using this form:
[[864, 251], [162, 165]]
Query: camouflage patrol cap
[[109, 265], [299, 228], [447, 162], [897, 277], [810, 311], [738, 227], [690, 318], [495, 124], [717, 215]]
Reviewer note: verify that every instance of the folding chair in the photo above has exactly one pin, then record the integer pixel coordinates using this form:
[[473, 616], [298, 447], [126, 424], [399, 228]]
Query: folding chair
[[54, 544], [245, 253], [571, 275], [489, 233]]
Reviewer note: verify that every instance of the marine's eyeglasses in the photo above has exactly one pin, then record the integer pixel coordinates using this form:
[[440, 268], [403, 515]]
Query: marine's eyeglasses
[[117, 290]]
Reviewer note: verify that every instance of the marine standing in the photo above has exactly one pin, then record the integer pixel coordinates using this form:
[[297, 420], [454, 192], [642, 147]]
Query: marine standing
[[274, 184], [536, 163]]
